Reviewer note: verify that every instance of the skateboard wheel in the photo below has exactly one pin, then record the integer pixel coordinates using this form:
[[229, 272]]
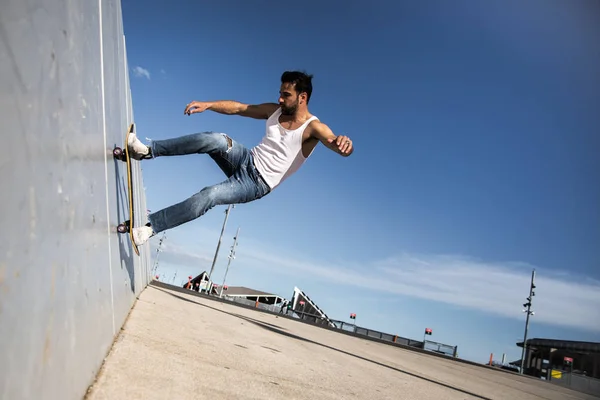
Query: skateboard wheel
[[122, 228], [118, 152]]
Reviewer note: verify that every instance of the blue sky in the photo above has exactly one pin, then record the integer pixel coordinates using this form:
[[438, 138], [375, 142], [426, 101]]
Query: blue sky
[[476, 131]]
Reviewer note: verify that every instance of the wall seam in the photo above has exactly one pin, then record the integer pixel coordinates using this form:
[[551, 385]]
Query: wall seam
[[112, 298]]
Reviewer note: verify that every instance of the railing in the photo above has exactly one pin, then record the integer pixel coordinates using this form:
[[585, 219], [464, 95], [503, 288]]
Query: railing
[[348, 327], [574, 381], [440, 348], [253, 303]]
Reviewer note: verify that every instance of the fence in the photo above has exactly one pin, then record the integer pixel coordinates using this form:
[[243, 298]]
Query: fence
[[450, 350], [240, 300], [440, 348], [574, 381], [348, 327]]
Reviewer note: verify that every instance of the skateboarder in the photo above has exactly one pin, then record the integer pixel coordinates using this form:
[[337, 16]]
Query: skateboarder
[[292, 133]]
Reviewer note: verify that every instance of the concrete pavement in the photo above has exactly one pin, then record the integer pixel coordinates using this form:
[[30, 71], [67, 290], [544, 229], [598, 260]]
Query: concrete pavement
[[176, 345]]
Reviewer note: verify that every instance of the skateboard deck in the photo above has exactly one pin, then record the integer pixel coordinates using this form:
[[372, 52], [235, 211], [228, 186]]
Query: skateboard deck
[[123, 155]]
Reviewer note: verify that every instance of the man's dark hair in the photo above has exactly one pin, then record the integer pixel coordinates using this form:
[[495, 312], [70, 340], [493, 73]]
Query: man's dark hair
[[301, 80]]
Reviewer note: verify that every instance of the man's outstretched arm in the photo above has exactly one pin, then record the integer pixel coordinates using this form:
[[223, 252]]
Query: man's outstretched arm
[[340, 144], [230, 107]]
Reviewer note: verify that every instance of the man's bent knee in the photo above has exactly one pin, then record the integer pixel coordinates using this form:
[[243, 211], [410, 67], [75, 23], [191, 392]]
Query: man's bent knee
[[229, 142]]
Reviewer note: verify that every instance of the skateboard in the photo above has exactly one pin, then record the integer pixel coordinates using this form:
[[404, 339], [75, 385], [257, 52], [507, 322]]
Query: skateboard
[[127, 226]]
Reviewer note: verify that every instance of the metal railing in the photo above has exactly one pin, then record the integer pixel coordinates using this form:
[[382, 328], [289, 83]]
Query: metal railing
[[348, 327], [262, 306], [440, 348], [575, 381]]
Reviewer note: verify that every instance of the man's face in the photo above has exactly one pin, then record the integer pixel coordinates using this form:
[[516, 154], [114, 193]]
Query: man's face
[[288, 99]]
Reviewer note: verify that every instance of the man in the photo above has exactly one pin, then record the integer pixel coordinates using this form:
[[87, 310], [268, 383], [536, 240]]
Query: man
[[292, 133]]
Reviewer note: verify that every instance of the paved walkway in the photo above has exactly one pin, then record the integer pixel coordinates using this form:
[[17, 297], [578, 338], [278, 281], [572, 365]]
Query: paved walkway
[[178, 346]]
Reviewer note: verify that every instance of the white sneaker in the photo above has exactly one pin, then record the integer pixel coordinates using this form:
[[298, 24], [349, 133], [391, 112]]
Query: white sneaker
[[137, 149], [142, 234]]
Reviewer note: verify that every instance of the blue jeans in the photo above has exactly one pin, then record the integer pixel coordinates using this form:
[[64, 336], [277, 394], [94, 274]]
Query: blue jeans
[[244, 183]]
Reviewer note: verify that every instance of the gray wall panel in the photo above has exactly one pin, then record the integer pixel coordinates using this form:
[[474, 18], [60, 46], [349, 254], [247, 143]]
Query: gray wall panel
[[67, 279]]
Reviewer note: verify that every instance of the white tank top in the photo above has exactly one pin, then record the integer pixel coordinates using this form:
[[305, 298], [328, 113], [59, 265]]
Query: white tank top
[[279, 154]]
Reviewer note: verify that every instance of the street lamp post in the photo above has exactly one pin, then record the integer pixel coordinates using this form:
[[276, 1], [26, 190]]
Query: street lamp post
[[158, 250], [209, 287], [231, 257], [529, 312]]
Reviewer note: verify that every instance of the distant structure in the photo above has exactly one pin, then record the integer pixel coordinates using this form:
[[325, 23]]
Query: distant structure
[[198, 283], [301, 306], [569, 363], [307, 310], [252, 295]]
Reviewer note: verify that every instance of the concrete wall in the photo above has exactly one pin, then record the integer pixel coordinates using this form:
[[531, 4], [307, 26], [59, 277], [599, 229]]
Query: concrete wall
[[67, 279]]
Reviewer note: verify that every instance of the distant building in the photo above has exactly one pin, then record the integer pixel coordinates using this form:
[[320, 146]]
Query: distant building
[[565, 362], [198, 283], [307, 309], [241, 292]]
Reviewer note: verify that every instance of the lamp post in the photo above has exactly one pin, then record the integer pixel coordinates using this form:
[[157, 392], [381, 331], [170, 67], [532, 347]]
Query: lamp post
[[158, 250], [209, 287], [231, 257], [529, 312]]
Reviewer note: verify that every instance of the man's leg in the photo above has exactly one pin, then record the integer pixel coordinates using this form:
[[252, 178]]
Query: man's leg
[[227, 153], [242, 186]]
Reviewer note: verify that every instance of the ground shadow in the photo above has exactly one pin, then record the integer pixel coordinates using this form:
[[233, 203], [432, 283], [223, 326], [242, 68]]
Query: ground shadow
[[278, 330], [125, 247]]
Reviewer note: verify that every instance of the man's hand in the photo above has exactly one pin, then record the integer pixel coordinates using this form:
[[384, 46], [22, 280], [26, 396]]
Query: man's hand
[[196, 107], [343, 143]]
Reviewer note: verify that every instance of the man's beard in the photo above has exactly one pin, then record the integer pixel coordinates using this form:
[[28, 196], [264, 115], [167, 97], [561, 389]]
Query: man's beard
[[289, 110]]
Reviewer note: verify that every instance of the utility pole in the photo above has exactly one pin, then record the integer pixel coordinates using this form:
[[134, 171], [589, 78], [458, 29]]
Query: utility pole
[[209, 288], [158, 253], [529, 312], [231, 257]]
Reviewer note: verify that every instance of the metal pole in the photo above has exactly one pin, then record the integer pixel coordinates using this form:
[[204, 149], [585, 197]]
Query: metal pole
[[528, 311], [209, 288], [231, 257], [158, 253]]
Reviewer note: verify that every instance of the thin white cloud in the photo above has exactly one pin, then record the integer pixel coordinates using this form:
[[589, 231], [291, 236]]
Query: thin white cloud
[[141, 72], [172, 253], [494, 288], [498, 288]]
